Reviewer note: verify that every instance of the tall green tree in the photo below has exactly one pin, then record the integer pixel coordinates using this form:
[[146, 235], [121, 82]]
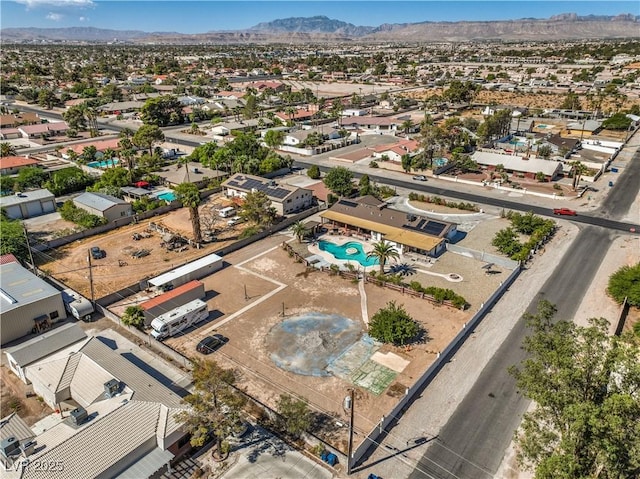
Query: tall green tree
[[189, 195], [31, 177], [585, 385], [383, 252], [12, 238], [257, 208], [147, 136], [625, 283], [7, 149], [339, 180], [294, 415], [162, 111], [214, 407], [392, 324], [274, 138]]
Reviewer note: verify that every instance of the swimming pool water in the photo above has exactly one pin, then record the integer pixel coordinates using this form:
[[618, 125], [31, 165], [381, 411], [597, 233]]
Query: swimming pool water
[[167, 196], [103, 163], [340, 252]]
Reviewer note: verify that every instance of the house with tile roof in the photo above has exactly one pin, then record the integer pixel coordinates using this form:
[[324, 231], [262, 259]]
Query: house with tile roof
[[113, 419], [372, 218], [10, 165], [395, 151]]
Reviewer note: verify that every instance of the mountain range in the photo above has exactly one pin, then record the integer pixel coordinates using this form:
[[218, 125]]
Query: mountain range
[[566, 26]]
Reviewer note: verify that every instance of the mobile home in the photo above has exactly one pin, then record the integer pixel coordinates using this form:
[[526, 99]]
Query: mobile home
[[179, 319]]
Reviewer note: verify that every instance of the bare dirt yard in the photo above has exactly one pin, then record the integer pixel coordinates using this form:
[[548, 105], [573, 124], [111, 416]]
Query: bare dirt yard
[[262, 292], [118, 269], [13, 398]]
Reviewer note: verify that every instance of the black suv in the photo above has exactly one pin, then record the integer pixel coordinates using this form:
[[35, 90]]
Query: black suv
[[97, 253], [211, 343]]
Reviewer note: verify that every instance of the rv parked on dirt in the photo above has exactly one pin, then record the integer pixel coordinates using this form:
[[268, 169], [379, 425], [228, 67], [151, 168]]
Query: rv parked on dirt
[[179, 319]]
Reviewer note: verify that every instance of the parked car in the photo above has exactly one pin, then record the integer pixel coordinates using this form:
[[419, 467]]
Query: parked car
[[97, 253], [420, 178], [564, 212], [211, 344], [234, 221]]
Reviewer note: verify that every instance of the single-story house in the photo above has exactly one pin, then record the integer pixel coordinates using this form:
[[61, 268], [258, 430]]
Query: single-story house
[[122, 419], [373, 218], [298, 137], [516, 164], [586, 127], [560, 144], [100, 145], [372, 123], [48, 343], [10, 165], [18, 119], [395, 151], [43, 129], [28, 204], [10, 134], [192, 172], [117, 107], [286, 199], [298, 115], [105, 206]]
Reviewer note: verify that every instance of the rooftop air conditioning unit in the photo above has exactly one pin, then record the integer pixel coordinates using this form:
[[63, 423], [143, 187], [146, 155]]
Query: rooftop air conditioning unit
[[28, 448], [10, 447], [111, 388], [79, 415]]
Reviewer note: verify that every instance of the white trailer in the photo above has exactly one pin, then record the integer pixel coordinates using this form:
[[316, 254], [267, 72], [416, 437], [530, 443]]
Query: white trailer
[[179, 319], [195, 270]]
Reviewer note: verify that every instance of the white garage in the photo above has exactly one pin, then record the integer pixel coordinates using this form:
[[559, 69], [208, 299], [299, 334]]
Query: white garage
[[28, 204]]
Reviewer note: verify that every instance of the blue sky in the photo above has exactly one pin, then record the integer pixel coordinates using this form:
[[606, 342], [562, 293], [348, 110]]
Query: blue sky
[[209, 15]]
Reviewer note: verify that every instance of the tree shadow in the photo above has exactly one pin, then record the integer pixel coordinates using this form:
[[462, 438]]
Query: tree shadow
[[403, 269]]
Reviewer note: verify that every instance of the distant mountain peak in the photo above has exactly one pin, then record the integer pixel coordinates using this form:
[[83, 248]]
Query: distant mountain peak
[[315, 24]]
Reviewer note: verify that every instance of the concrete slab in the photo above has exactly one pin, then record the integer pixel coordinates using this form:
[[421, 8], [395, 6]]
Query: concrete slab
[[373, 377], [390, 360]]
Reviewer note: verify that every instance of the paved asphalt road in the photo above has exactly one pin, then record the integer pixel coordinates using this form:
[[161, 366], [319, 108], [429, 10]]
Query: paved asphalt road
[[472, 443]]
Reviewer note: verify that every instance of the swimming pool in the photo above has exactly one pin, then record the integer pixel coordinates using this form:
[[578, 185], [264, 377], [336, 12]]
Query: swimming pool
[[167, 196], [103, 163], [517, 143], [351, 251], [543, 126], [438, 162]]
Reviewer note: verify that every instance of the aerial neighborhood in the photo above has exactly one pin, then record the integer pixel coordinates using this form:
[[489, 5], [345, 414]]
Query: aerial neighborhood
[[279, 250]]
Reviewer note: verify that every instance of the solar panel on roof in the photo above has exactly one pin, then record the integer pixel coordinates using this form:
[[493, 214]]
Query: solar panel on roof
[[351, 204], [434, 228]]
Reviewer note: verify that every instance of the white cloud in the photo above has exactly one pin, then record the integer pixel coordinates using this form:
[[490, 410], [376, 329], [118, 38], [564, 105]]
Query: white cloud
[[56, 17], [56, 3], [83, 19]]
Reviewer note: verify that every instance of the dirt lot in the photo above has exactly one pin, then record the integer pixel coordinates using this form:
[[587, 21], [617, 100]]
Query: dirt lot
[[119, 269], [13, 397], [247, 300]]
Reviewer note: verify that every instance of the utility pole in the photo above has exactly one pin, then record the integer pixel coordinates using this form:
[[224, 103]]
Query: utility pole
[[26, 238], [349, 404], [91, 279]]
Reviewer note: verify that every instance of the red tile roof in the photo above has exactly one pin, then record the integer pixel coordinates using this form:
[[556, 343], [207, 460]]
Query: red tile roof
[[169, 295], [16, 161], [8, 258]]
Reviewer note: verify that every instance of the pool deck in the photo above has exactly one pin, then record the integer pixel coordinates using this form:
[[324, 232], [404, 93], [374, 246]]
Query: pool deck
[[327, 258]]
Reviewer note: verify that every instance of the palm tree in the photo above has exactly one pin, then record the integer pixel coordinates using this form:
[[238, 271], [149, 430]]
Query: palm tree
[[189, 195], [383, 251], [407, 125], [7, 149], [108, 155], [579, 169], [299, 230]]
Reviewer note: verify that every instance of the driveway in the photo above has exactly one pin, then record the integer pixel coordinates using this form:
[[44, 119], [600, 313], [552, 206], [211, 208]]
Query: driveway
[[261, 455]]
